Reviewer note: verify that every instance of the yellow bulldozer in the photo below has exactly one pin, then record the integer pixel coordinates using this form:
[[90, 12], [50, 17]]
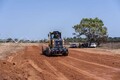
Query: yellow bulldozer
[[55, 45]]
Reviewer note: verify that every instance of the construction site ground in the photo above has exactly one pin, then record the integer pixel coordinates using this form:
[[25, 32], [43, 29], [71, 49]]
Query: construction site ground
[[26, 62]]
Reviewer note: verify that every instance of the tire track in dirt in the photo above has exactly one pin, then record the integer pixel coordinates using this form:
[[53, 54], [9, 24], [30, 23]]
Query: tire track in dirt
[[78, 66], [35, 66], [108, 60], [96, 64], [103, 72], [93, 54], [82, 71], [59, 75], [25, 60], [10, 59], [14, 55]]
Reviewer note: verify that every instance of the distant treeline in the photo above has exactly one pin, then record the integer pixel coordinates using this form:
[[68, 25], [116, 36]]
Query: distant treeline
[[21, 40], [69, 39], [113, 39], [74, 39], [109, 39]]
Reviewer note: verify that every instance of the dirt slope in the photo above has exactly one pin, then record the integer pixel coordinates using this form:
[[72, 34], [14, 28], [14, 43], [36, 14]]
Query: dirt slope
[[29, 64]]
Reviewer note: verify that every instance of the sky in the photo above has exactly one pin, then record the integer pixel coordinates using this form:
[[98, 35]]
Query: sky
[[34, 19]]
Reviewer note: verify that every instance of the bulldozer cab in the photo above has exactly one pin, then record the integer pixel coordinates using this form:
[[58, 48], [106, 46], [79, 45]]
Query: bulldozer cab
[[55, 45], [55, 39], [55, 35]]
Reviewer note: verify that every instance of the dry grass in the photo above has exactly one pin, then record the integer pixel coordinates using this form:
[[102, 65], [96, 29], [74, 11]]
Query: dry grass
[[111, 45], [7, 49]]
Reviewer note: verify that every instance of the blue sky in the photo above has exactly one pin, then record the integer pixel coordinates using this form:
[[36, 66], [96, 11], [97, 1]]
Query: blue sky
[[33, 19]]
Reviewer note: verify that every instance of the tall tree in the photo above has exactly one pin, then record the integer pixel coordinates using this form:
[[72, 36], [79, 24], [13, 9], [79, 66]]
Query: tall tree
[[92, 28]]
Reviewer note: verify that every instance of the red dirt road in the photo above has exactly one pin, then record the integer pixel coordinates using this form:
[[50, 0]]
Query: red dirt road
[[29, 64]]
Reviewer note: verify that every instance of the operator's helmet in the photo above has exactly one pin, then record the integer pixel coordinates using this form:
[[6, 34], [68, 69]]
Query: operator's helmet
[[56, 36]]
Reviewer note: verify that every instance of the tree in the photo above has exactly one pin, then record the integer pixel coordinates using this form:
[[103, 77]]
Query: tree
[[9, 40], [93, 29]]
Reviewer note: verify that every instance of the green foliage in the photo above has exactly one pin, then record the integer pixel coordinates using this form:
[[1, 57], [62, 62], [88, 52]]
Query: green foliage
[[74, 39], [93, 29], [113, 39]]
